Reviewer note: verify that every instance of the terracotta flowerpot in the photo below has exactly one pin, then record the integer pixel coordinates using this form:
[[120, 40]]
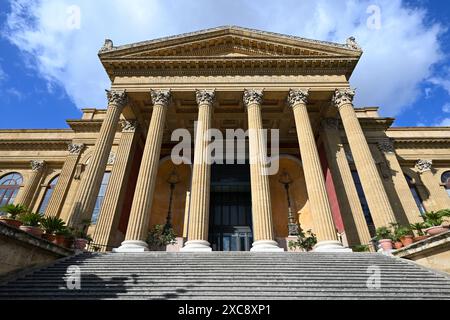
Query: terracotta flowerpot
[[35, 231], [11, 222], [68, 242], [386, 244], [407, 240], [59, 240], [80, 243], [420, 238], [48, 237], [398, 244], [436, 230]]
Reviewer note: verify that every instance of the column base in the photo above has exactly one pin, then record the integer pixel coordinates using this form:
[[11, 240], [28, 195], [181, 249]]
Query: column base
[[132, 246], [196, 246], [330, 246], [266, 246]]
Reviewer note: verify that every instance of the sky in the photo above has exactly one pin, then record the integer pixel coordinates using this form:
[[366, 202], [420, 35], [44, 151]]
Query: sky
[[49, 69]]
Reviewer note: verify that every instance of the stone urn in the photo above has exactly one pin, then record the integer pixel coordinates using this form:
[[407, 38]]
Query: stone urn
[[80, 243], [386, 244], [35, 231], [436, 230], [11, 222]]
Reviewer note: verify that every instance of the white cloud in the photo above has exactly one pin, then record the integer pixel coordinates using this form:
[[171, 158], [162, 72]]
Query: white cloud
[[441, 82], [397, 57], [444, 123], [3, 74], [446, 108]]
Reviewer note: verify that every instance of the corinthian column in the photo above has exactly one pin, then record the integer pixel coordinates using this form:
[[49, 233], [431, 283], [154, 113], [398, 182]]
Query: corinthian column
[[261, 206], [110, 211], [377, 199], [65, 177], [26, 195], [92, 178], [315, 182], [437, 198], [137, 230], [201, 174]]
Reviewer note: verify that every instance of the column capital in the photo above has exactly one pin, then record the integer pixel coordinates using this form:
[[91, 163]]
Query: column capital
[[129, 125], [297, 96], [205, 96], [386, 146], [253, 96], [423, 165], [75, 148], [117, 97], [161, 97], [37, 165], [343, 96]]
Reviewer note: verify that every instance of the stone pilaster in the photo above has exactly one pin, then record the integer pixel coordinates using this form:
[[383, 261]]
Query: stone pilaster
[[437, 198], [92, 178], [110, 211], [263, 233], [400, 184], [355, 224], [377, 199], [201, 174], [26, 195], [65, 177], [315, 186], [137, 230]]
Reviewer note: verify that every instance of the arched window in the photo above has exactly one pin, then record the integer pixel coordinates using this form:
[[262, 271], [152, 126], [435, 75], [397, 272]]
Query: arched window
[[100, 197], [48, 194], [415, 194], [445, 179], [9, 186]]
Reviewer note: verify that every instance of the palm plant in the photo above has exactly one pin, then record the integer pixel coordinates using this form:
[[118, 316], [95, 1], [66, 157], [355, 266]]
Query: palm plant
[[52, 225], [13, 210], [419, 226], [30, 219]]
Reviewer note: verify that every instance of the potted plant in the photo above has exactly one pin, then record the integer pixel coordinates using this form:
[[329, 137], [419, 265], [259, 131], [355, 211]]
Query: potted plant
[[160, 236], [61, 235], [418, 227], [31, 223], [384, 237], [305, 241], [434, 221], [81, 237], [10, 213], [51, 225], [404, 234]]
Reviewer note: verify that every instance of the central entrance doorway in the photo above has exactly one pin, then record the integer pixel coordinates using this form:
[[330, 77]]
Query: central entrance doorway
[[230, 213]]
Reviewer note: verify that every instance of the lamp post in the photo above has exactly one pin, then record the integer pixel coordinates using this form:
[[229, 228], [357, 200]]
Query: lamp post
[[172, 180], [286, 180]]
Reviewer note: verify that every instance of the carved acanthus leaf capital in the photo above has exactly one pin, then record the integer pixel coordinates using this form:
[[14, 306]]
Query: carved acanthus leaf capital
[[117, 97], [296, 96], [37, 165], [343, 96], [75, 148], [205, 96], [129, 125], [253, 96], [161, 97], [386, 146], [423, 165]]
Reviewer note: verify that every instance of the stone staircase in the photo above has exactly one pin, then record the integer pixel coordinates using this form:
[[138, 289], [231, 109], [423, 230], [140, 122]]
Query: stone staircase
[[230, 275]]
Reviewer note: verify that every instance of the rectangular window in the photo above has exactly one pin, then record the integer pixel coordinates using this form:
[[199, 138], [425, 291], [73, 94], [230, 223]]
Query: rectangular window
[[100, 197]]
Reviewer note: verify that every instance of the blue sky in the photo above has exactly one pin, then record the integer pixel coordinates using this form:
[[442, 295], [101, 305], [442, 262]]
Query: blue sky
[[49, 68]]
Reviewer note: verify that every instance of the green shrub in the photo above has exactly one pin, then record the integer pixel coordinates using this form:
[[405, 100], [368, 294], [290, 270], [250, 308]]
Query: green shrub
[[30, 219], [13, 210], [52, 225], [160, 236], [305, 241]]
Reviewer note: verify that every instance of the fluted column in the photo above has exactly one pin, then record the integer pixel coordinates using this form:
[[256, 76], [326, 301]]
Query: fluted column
[[29, 190], [263, 233], [137, 230], [315, 183], [65, 177], [400, 184], [437, 196], [201, 174], [377, 199], [92, 178], [355, 223], [110, 211]]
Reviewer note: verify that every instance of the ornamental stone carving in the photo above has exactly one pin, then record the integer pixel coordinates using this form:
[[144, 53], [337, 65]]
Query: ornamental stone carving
[[205, 96], [352, 44], [386, 146], [75, 148], [117, 97], [107, 46], [161, 97], [111, 158], [343, 96], [128, 126], [296, 96], [37, 165], [252, 96], [423, 165]]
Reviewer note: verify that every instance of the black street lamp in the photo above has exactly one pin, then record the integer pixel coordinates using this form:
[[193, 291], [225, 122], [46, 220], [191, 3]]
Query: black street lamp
[[286, 180], [172, 180]]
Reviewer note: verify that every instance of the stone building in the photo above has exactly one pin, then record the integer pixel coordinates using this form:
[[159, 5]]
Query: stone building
[[344, 169]]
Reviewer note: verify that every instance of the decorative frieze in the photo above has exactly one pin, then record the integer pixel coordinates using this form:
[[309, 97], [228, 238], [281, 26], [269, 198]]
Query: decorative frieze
[[161, 97], [205, 96], [75, 148], [117, 97], [37, 165], [298, 96], [343, 96], [423, 165], [252, 96], [129, 125]]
